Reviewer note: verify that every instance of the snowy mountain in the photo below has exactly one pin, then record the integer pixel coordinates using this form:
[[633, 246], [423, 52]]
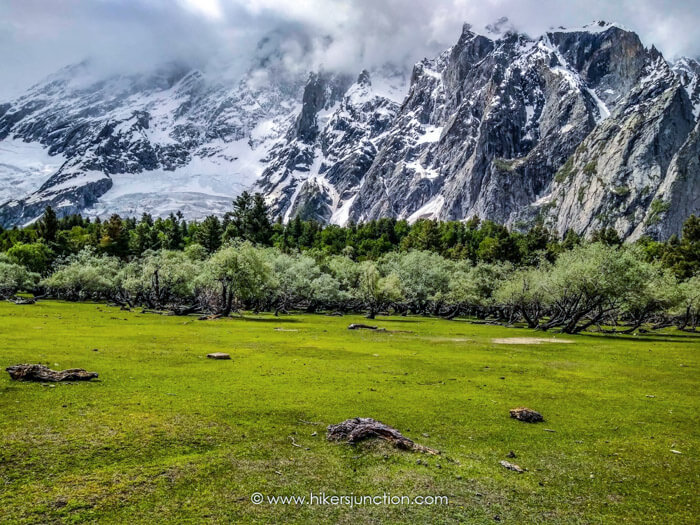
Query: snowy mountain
[[175, 140], [579, 128]]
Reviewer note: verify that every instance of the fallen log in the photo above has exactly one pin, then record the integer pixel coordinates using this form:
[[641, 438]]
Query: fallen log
[[218, 355], [42, 374], [358, 326], [361, 428], [210, 317], [22, 300]]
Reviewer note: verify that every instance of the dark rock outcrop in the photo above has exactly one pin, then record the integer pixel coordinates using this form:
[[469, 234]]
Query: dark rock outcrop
[[41, 373], [526, 414], [358, 429]]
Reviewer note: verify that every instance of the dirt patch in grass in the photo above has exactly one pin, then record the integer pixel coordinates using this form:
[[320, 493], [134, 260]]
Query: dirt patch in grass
[[528, 341]]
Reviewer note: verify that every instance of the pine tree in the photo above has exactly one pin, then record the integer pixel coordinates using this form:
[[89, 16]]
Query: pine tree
[[209, 234], [47, 226]]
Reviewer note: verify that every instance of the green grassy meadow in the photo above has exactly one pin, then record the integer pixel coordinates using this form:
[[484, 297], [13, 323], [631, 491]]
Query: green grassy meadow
[[169, 436]]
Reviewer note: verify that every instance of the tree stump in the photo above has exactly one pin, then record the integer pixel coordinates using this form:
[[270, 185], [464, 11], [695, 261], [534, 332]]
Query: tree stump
[[526, 414], [361, 428], [44, 374]]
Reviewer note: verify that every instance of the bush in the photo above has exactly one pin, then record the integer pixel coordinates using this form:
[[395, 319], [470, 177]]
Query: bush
[[15, 278], [84, 276]]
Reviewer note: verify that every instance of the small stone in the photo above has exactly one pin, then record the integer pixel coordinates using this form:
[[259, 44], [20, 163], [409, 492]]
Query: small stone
[[676, 451], [218, 355], [511, 455], [512, 466]]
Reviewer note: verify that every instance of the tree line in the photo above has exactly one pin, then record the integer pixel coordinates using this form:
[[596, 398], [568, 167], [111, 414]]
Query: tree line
[[244, 261], [50, 240]]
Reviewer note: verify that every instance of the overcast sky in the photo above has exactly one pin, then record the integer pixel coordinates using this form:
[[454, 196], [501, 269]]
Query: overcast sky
[[38, 37]]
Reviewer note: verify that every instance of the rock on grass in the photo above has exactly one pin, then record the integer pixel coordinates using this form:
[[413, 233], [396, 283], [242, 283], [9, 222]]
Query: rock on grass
[[526, 414], [361, 428], [512, 466]]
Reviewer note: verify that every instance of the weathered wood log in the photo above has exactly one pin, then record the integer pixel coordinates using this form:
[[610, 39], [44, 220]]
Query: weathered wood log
[[357, 326], [42, 373], [526, 414], [360, 428], [218, 355], [185, 310], [210, 317], [22, 300]]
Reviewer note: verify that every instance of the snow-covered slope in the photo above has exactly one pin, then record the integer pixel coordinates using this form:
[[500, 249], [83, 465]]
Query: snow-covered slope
[[176, 139]]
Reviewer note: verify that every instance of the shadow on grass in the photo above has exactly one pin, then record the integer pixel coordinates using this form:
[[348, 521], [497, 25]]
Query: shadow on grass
[[649, 338], [265, 319]]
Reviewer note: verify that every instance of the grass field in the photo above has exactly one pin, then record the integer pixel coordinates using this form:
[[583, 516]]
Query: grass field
[[167, 435]]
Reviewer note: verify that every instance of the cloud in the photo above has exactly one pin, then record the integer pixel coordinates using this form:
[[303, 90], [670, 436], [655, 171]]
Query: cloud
[[38, 37]]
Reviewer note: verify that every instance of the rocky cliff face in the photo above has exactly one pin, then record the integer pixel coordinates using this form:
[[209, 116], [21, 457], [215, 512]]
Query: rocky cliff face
[[578, 128], [316, 170]]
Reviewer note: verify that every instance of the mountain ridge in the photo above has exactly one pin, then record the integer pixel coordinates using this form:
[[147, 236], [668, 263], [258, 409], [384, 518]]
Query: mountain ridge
[[495, 126]]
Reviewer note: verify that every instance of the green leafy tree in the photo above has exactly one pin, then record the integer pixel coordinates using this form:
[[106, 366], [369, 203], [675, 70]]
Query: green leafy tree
[[524, 293], [35, 257], [235, 274], [424, 276], [586, 284], [160, 279], [377, 291]]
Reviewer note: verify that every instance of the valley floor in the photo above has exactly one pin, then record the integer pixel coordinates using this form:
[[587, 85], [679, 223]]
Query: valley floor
[[169, 436]]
